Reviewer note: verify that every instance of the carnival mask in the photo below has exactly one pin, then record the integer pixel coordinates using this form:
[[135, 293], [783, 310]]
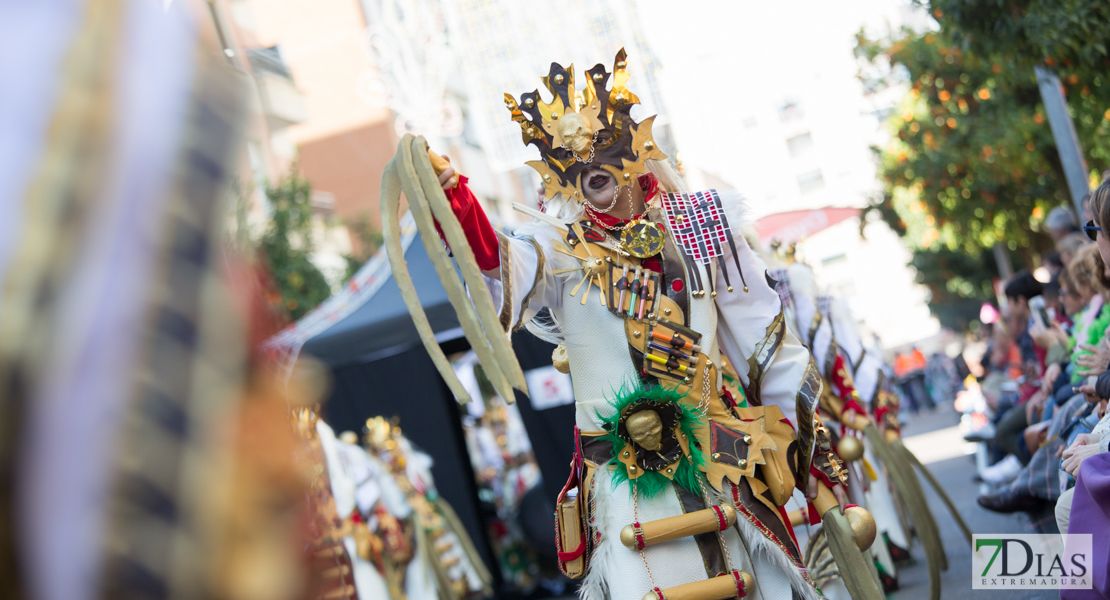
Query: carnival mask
[[579, 128]]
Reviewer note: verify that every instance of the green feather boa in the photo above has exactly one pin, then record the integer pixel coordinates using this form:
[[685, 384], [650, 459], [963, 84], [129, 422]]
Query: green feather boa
[[690, 421]]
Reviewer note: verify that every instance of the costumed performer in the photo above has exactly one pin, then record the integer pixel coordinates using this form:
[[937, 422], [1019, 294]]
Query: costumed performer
[[677, 491], [872, 385], [809, 314], [343, 542], [441, 561]]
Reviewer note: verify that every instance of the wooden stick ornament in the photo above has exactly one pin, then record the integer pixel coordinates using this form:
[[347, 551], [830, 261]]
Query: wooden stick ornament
[[707, 520], [722, 587]]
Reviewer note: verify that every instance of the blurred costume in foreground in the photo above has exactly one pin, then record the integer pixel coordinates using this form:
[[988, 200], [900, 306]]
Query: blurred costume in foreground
[[677, 486], [879, 467], [380, 520], [145, 450]]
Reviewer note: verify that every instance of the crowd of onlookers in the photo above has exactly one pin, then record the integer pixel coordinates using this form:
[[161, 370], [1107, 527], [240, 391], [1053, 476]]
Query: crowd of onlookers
[[1046, 382], [924, 384]]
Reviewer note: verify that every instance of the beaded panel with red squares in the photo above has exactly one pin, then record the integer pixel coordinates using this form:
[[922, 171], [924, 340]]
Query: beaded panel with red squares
[[698, 222]]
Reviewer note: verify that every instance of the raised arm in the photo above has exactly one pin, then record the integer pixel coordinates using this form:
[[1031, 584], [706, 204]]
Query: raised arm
[[475, 224], [518, 268]]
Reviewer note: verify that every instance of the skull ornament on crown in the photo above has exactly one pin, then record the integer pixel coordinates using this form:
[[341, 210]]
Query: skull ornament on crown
[[582, 128], [577, 134]]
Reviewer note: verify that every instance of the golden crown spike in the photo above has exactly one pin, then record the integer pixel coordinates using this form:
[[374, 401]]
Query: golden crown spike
[[580, 128]]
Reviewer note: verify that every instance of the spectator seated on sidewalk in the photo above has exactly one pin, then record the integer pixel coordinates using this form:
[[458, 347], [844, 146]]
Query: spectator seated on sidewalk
[[1069, 405], [1021, 289], [1088, 481], [909, 369]]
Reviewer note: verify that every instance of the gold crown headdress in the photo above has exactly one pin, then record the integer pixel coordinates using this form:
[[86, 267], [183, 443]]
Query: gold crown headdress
[[583, 128]]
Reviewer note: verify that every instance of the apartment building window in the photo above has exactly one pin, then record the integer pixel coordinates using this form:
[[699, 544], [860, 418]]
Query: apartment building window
[[322, 203], [799, 144], [813, 180], [269, 60]]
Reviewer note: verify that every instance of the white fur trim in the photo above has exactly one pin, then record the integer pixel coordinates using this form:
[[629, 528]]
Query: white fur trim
[[596, 584], [766, 555], [739, 215]]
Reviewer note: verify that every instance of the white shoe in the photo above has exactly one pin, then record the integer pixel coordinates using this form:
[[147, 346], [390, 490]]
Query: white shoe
[[1004, 471]]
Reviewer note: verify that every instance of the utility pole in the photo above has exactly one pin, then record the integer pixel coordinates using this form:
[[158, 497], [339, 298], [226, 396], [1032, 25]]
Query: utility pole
[[1002, 259], [1067, 142]]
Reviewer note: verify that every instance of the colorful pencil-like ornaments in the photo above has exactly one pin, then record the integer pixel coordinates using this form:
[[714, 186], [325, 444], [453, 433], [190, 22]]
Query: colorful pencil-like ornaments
[[635, 293], [622, 285]]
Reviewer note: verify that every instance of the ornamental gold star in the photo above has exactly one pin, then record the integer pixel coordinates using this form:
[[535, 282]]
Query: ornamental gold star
[[760, 440]]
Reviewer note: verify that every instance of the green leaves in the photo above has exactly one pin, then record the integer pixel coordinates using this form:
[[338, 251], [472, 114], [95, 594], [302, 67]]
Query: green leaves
[[1069, 33], [287, 244], [1068, 36], [972, 161], [958, 283]]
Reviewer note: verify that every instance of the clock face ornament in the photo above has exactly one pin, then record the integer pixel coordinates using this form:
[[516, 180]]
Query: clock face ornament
[[642, 239]]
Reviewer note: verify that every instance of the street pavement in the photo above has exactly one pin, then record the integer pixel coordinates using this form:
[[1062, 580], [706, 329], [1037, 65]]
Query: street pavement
[[936, 440]]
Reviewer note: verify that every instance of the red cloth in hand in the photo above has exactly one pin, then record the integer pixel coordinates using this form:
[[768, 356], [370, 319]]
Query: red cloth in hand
[[475, 224], [814, 516]]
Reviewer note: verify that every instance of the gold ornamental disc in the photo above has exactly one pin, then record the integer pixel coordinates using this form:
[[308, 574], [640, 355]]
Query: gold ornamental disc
[[642, 239]]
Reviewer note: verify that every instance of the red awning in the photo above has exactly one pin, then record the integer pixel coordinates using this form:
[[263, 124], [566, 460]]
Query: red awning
[[796, 225]]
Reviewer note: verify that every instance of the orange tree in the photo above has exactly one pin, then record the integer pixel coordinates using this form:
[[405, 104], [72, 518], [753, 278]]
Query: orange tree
[[970, 164], [971, 161], [1067, 36]]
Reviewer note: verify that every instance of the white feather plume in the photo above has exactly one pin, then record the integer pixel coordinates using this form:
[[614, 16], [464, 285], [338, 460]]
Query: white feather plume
[[766, 555], [596, 584]]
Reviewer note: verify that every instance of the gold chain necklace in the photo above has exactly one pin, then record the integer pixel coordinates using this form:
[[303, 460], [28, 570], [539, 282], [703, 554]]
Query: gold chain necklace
[[638, 236], [614, 228]]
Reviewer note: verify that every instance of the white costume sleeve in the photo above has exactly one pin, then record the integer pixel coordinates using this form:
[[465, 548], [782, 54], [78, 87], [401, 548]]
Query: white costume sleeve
[[752, 333], [845, 331], [817, 331], [363, 471], [867, 367], [342, 486], [528, 282]]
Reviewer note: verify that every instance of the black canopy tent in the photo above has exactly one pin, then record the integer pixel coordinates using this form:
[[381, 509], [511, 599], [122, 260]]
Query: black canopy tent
[[380, 368]]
